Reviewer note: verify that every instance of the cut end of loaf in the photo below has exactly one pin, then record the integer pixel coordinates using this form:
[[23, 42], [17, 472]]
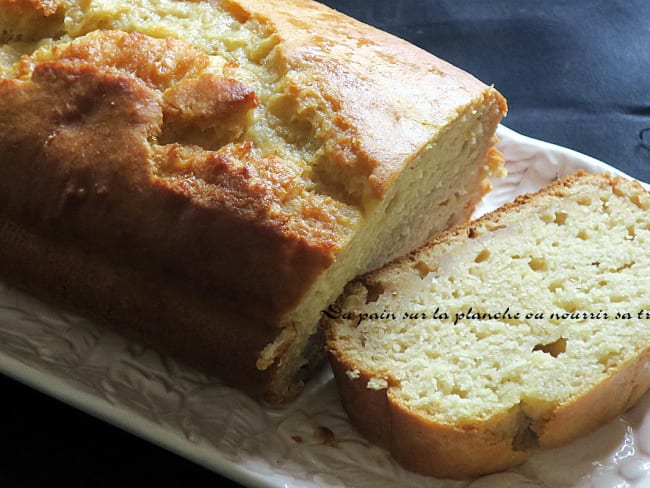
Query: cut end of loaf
[[524, 329]]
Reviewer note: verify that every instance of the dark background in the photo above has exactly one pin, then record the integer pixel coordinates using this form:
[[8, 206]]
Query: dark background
[[575, 73]]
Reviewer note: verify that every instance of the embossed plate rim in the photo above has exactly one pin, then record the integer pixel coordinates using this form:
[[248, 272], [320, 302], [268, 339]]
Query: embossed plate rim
[[56, 387]]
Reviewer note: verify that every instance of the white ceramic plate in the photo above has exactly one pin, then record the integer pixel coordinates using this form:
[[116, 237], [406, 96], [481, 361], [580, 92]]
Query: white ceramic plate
[[195, 416]]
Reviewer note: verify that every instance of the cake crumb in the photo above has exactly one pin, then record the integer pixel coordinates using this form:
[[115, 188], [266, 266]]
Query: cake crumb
[[377, 384], [353, 374]]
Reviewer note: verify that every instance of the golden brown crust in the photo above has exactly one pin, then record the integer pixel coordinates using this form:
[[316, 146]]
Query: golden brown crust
[[208, 103], [26, 20], [372, 138], [45, 7], [497, 443], [144, 308], [97, 141], [158, 63]]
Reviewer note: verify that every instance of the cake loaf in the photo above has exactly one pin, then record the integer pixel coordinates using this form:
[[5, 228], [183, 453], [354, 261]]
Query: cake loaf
[[522, 330], [206, 176]]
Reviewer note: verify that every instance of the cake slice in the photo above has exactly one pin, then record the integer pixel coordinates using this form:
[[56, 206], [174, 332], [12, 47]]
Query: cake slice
[[522, 330], [205, 177]]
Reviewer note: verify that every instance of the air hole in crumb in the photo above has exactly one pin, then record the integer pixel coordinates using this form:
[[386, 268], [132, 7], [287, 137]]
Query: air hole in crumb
[[431, 354], [494, 226], [641, 201], [445, 203], [555, 285], [546, 218], [625, 266], [374, 291], [631, 232], [583, 234], [482, 256], [584, 200], [538, 264], [554, 348], [460, 392], [603, 282], [608, 362], [423, 269], [567, 306], [473, 233], [560, 218], [555, 244]]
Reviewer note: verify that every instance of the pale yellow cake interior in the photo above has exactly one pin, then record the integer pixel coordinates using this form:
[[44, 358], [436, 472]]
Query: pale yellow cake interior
[[583, 258]]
